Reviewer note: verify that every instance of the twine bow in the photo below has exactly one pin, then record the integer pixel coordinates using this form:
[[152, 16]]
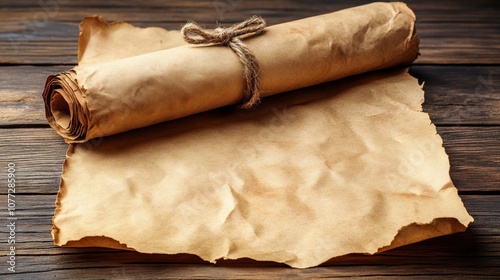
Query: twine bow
[[194, 34]]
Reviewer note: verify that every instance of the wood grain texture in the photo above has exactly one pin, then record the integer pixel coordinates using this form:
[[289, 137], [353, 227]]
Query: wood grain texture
[[474, 154], [455, 95], [45, 31], [39, 153], [459, 63], [21, 90], [460, 95], [471, 253]]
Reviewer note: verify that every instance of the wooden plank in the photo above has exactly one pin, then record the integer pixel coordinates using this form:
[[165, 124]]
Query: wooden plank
[[464, 102], [474, 154], [474, 253], [461, 95], [45, 32], [459, 43], [224, 10], [39, 153], [455, 95], [21, 90]]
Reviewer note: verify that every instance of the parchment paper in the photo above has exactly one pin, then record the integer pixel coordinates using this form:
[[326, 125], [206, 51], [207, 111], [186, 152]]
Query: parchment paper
[[352, 166], [94, 100], [326, 171]]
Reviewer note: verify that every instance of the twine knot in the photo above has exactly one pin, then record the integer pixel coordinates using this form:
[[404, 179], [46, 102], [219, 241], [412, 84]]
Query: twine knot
[[194, 34]]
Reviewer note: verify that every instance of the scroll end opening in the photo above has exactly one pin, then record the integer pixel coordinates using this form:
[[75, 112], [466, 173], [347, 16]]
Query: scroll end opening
[[59, 108]]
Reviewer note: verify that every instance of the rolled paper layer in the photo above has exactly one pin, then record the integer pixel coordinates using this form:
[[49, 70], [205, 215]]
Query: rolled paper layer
[[155, 85]]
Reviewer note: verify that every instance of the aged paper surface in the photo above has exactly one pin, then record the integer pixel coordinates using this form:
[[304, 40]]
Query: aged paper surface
[[94, 100], [325, 171], [352, 166]]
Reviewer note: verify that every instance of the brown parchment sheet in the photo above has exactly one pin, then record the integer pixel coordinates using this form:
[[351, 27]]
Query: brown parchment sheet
[[94, 100], [350, 166], [325, 171]]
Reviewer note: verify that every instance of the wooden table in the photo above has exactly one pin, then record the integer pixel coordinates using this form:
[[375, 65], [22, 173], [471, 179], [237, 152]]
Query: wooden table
[[459, 62]]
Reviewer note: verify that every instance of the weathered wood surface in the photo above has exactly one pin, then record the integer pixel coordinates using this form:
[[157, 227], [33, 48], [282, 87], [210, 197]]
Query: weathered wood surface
[[39, 153], [45, 31], [460, 64], [472, 253], [455, 95]]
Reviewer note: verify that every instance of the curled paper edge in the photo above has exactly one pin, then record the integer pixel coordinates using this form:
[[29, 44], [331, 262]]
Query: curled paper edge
[[436, 228], [406, 234]]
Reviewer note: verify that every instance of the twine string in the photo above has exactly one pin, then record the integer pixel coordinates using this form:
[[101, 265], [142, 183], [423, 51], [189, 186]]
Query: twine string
[[194, 34]]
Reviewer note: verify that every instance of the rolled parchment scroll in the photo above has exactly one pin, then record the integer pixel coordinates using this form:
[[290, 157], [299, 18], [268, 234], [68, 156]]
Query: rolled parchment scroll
[[168, 81], [351, 166]]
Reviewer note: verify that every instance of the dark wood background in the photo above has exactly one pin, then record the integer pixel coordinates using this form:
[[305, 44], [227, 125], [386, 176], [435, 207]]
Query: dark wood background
[[459, 62]]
